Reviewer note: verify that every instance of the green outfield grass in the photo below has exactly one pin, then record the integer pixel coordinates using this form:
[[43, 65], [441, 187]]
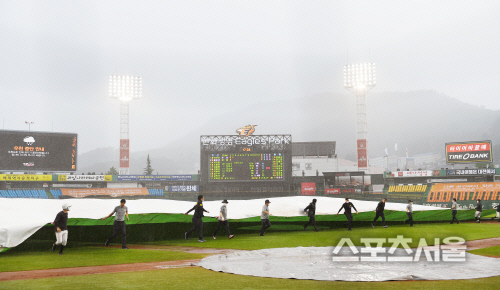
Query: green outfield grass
[[491, 251], [199, 278], [32, 254], [22, 260], [36, 255], [324, 238]]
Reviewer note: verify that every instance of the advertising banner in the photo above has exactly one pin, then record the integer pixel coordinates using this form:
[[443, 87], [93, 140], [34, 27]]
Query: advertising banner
[[412, 173], [308, 188], [362, 154], [124, 153], [37, 151], [469, 152], [332, 190], [444, 192], [84, 177], [73, 185], [184, 188], [483, 171], [155, 178], [407, 188], [25, 177], [114, 192]]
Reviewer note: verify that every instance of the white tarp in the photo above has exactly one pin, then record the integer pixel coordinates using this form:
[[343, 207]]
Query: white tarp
[[316, 263], [20, 218]]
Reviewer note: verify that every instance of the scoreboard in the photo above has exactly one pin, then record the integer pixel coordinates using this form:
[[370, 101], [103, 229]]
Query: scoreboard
[[246, 166], [37, 151], [264, 158]]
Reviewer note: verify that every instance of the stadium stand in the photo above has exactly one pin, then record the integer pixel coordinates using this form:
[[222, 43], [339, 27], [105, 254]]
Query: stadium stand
[[155, 192], [56, 193], [24, 193]]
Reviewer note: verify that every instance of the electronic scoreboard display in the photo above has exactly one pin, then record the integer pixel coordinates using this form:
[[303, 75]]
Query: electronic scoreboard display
[[246, 166], [37, 151], [265, 158]]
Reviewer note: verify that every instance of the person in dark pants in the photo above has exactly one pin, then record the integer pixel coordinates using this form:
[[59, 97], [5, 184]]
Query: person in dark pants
[[223, 220], [498, 213], [311, 212], [409, 213], [379, 212], [119, 225], [264, 217], [61, 227], [197, 221], [454, 208], [479, 210], [347, 211]]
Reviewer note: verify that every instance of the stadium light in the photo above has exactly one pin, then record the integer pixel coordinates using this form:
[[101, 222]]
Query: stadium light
[[125, 89], [29, 124], [360, 78]]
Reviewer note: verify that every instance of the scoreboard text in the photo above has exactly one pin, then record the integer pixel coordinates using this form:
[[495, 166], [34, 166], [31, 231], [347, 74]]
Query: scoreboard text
[[246, 166]]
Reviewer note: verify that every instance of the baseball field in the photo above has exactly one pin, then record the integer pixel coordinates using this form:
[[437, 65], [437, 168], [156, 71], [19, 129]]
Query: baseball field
[[171, 263]]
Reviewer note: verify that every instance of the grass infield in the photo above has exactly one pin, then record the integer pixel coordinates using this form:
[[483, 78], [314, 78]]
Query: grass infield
[[325, 238], [36, 255], [82, 256], [490, 252]]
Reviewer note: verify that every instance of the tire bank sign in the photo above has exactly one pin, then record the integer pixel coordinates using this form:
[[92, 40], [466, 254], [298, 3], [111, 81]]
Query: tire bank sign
[[469, 152]]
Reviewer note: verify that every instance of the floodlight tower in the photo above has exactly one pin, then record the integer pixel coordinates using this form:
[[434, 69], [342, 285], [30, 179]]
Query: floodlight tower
[[359, 79], [125, 89]]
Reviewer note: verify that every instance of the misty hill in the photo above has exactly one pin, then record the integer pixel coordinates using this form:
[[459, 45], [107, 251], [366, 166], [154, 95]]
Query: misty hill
[[422, 121]]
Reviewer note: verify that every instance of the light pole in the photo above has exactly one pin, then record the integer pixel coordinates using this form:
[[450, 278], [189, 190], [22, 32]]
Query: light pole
[[125, 89], [359, 79], [29, 124]]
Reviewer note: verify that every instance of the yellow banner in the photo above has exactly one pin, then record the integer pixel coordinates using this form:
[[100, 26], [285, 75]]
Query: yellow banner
[[63, 177], [407, 188], [25, 177]]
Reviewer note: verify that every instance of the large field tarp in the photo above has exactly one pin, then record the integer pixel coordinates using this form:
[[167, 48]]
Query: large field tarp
[[316, 263], [21, 218]]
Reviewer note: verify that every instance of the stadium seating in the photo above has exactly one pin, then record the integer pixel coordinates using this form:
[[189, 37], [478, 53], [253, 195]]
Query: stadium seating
[[24, 193], [56, 193], [155, 192]]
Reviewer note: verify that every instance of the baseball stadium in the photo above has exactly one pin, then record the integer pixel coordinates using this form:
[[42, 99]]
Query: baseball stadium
[[245, 221], [244, 161]]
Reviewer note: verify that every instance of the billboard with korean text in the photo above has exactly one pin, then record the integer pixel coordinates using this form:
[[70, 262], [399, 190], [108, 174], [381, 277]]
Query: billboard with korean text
[[469, 152], [37, 151]]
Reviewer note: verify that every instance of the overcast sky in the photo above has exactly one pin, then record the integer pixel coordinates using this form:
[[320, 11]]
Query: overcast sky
[[199, 59]]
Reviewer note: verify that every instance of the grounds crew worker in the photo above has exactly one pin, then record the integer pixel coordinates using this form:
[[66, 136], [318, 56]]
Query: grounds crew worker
[[197, 221], [409, 213], [311, 211], [498, 212], [454, 208], [479, 210], [119, 225], [264, 217], [61, 227], [347, 211], [223, 220], [379, 212]]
